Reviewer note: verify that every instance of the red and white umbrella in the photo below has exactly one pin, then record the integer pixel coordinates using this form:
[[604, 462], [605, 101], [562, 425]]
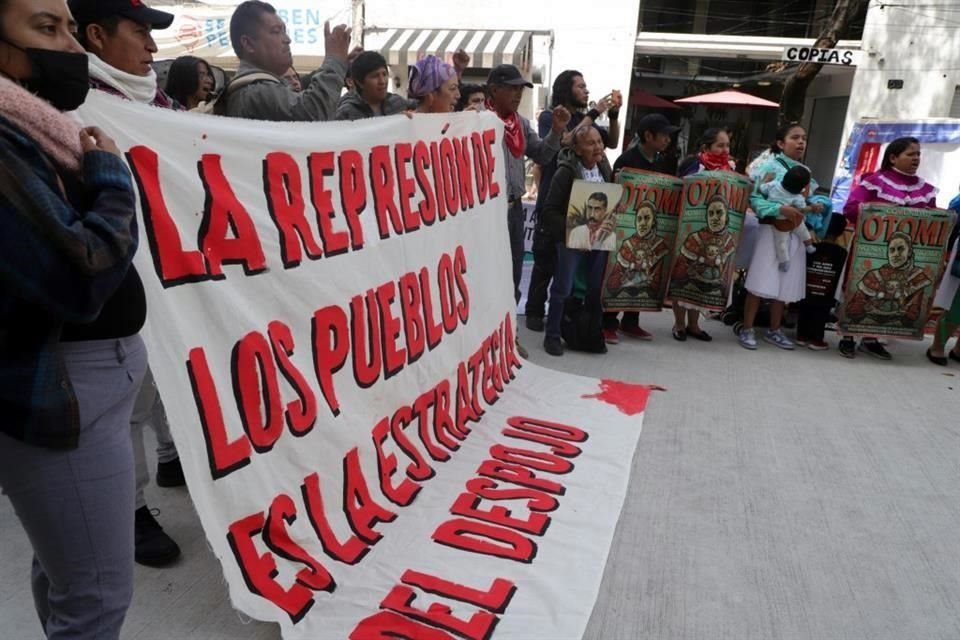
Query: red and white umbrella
[[728, 98]]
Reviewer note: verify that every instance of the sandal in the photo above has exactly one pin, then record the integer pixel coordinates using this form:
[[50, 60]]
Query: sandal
[[679, 335], [702, 335], [939, 361]]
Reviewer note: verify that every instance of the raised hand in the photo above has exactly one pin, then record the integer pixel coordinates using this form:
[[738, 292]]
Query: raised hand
[[561, 118], [336, 41]]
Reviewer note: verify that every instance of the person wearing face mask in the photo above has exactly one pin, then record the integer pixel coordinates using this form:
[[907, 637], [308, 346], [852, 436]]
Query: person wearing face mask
[[72, 305], [896, 183], [713, 154], [120, 48], [257, 92]]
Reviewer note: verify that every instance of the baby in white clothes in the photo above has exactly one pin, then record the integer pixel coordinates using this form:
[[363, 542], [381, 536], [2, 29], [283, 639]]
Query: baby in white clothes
[[790, 192]]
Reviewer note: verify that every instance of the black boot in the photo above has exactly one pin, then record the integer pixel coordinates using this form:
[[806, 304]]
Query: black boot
[[170, 474], [152, 547]]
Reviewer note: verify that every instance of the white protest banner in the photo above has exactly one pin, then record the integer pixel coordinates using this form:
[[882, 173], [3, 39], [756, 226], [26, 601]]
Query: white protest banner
[[331, 329]]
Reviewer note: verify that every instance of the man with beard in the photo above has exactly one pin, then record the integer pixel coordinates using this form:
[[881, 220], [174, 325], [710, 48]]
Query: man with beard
[[706, 255], [597, 233], [570, 92], [892, 294], [638, 270], [258, 91]]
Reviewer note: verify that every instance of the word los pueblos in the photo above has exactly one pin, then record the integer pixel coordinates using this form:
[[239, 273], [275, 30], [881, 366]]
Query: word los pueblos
[[375, 336]]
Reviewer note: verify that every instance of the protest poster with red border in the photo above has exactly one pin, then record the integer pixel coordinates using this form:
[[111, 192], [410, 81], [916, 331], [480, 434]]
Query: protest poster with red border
[[896, 263]]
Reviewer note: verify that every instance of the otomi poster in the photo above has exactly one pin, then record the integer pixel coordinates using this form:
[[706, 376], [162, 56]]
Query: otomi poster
[[637, 274], [714, 203], [898, 257]]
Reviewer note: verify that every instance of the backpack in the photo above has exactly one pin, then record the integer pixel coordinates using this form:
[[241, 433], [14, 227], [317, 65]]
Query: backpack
[[217, 105], [582, 326]]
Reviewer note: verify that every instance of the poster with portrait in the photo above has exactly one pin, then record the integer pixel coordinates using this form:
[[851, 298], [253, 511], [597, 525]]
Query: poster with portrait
[[636, 278], [897, 262], [701, 272], [592, 215]]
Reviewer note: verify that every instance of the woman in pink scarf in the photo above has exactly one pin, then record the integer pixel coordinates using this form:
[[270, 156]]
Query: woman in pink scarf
[[896, 183], [435, 85], [71, 308]]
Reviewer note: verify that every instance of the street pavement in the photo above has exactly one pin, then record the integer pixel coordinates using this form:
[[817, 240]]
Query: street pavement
[[773, 496]]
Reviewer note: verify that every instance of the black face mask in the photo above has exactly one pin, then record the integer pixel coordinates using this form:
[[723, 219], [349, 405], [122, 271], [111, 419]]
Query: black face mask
[[59, 77]]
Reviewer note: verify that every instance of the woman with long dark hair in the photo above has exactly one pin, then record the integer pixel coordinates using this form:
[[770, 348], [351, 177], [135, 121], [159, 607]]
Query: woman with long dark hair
[[712, 154], [190, 81], [896, 183], [71, 358], [765, 280]]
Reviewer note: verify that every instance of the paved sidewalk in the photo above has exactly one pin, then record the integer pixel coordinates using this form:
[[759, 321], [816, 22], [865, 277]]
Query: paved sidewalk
[[774, 496]]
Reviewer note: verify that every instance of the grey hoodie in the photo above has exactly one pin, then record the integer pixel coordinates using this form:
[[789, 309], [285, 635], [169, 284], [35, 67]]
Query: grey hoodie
[[354, 107]]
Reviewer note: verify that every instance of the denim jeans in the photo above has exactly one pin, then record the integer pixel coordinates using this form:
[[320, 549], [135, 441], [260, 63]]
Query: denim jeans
[[568, 263]]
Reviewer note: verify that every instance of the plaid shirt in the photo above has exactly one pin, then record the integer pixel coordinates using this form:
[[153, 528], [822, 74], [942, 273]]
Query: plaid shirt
[[61, 258]]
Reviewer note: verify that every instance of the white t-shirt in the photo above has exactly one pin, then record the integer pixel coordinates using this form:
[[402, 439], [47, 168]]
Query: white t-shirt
[[592, 175]]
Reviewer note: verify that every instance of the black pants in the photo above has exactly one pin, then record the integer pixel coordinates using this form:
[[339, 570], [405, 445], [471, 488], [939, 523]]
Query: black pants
[[544, 268], [515, 226], [812, 318], [630, 320]]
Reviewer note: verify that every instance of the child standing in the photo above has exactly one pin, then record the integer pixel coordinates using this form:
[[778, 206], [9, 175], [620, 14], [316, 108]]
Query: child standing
[[824, 268], [790, 191]]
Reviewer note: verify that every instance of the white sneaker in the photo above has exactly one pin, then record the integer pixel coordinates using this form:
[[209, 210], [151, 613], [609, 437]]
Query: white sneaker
[[748, 339], [777, 338]]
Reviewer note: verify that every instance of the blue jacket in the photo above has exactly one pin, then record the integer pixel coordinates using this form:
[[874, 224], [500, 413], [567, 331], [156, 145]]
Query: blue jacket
[[60, 260]]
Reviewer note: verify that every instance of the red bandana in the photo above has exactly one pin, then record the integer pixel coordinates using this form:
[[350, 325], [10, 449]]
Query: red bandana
[[715, 161], [512, 131]]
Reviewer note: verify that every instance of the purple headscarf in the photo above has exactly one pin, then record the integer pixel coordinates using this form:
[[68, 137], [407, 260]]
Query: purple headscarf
[[428, 75]]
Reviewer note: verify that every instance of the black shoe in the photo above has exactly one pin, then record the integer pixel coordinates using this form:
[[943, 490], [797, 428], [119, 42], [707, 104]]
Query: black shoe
[[939, 361], [170, 474], [553, 346], [152, 547], [875, 349], [535, 323], [848, 347]]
